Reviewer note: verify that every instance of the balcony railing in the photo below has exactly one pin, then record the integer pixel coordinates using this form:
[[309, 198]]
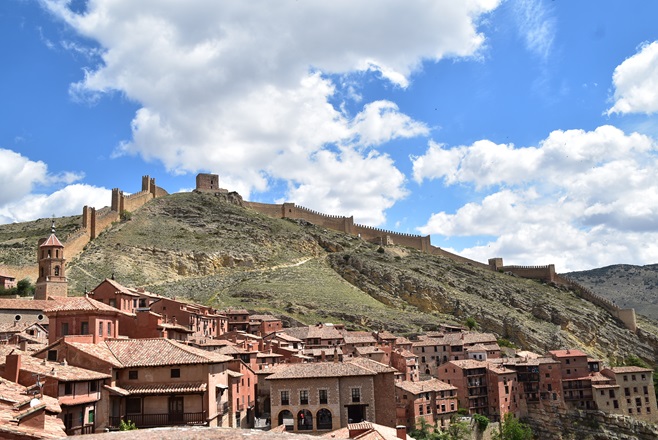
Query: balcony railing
[[80, 430], [168, 419]]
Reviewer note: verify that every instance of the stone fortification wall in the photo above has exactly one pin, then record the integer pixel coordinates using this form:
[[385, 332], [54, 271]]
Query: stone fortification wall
[[627, 316], [270, 210], [96, 221], [438, 251], [342, 224], [547, 274]]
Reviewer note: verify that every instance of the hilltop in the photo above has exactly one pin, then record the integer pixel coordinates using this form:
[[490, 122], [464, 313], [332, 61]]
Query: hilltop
[[211, 249]]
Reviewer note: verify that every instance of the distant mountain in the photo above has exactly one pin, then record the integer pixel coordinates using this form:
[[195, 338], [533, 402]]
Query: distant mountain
[[211, 249], [625, 284]]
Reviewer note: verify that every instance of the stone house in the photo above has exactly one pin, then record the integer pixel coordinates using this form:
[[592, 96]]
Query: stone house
[[154, 382], [26, 415], [318, 336], [470, 378], [406, 363], [632, 389], [432, 400], [262, 325], [576, 381], [77, 390], [85, 317], [7, 282], [238, 319], [328, 395]]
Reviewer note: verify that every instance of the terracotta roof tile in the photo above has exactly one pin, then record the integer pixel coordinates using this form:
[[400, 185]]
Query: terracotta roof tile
[[57, 370], [82, 304], [424, 386], [319, 369], [168, 388], [160, 351], [630, 369], [567, 353], [52, 240]]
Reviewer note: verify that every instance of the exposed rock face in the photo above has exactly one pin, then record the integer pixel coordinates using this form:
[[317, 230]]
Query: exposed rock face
[[535, 316], [589, 425]]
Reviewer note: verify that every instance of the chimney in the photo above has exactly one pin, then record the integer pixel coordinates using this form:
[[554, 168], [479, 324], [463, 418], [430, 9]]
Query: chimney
[[401, 432], [23, 345], [12, 367]]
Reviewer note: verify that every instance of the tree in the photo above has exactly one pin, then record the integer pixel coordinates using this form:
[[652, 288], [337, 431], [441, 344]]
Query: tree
[[471, 323], [24, 288], [512, 428], [457, 431]]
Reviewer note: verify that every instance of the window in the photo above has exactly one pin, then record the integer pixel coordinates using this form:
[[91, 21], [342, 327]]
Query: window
[[52, 355], [303, 397], [65, 328], [133, 405], [100, 329], [645, 389], [133, 375], [175, 372], [134, 304], [68, 388], [56, 271], [420, 409], [627, 392], [112, 302], [323, 397], [285, 398], [633, 377], [91, 416], [549, 387], [142, 302], [611, 393], [84, 328], [356, 395], [109, 329], [93, 386], [625, 378]]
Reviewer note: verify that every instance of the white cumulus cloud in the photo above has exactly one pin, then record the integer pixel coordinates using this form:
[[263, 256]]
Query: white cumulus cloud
[[636, 82], [20, 200], [247, 89], [577, 199]]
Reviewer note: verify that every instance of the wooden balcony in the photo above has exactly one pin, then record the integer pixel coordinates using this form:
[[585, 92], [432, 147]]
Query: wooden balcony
[[153, 420], [80, 430]]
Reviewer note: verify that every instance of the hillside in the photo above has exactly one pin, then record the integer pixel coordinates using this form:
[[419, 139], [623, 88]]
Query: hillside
[[626, 285], [212, 250]]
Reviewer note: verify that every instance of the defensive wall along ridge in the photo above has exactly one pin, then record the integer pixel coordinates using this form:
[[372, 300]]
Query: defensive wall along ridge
[[94, 221], [209, 183]]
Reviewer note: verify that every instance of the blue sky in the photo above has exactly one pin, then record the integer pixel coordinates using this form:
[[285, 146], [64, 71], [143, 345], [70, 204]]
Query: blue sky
[[525, 129]]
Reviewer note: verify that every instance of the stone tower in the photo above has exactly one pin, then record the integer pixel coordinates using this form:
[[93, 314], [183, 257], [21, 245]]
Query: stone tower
[[52, 267]]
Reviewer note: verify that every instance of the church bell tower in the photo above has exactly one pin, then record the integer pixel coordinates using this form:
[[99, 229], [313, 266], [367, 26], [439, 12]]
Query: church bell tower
[[52, 267]]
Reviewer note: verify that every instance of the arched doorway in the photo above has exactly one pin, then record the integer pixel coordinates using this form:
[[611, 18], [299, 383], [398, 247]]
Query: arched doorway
[[286, 418], [324, 419], [304, 420]]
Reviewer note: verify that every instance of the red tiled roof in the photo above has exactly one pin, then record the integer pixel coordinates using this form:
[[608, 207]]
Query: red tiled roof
[[83, 304], [168, 388], [57, 370], [630, 369], [78, 400], [567, 353], [160, 351], [424, 386], [52, 240], [319, 370], [31, 304]]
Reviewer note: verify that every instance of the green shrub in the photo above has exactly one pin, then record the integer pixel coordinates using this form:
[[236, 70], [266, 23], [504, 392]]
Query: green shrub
[[481, 422], [127, 425]]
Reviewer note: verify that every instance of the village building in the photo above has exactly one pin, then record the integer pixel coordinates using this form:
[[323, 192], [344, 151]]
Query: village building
[[369, 431], [406, 363], [262, 325], [576, 381], [155, 382], [238, 319], [77, 390], [630, 391], [328, 395], [7, 282], [84, 317], [432, 400], [318, 336], [28, 414]]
